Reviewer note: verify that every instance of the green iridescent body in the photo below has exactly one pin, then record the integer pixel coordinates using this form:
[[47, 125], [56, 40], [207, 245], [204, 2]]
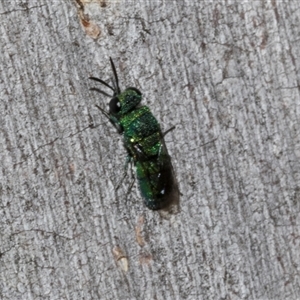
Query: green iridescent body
[[144, 143]]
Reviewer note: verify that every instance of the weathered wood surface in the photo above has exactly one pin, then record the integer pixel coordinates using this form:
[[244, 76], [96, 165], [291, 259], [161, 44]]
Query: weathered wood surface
[[226, 74]]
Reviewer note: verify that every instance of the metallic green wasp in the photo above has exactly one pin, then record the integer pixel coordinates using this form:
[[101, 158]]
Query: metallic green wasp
[[144, 143]]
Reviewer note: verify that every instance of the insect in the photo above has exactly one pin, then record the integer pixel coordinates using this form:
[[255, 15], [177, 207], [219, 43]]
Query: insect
[[144, 142]]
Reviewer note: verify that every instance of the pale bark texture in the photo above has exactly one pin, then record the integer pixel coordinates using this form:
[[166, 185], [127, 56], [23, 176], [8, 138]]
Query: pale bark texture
[[226, 74]]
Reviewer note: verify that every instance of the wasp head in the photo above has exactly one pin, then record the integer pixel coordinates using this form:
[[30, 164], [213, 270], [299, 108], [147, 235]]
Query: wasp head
[[121, 102], [125, 102]]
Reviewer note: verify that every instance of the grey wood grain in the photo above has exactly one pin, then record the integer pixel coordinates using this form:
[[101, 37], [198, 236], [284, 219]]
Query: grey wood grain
[[226, 74]]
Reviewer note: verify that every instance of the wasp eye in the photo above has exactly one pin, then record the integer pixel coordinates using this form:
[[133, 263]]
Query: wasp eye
[[114, 105]]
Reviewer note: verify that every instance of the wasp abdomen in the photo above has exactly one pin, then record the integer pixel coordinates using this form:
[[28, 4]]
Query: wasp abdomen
[[156, 182]]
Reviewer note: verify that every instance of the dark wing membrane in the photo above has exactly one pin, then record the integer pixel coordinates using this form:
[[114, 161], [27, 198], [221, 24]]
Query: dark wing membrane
[[155, 174]]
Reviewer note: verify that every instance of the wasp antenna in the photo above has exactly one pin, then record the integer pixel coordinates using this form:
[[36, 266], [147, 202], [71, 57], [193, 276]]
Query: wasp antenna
[[103, 82], [114, 84], [115, 75], [100, 91]]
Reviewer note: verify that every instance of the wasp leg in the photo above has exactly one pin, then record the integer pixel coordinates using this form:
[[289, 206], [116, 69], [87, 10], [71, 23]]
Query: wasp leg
[[129, 189], [112, 119], [170, 129], [128, 160], [103, 111]]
